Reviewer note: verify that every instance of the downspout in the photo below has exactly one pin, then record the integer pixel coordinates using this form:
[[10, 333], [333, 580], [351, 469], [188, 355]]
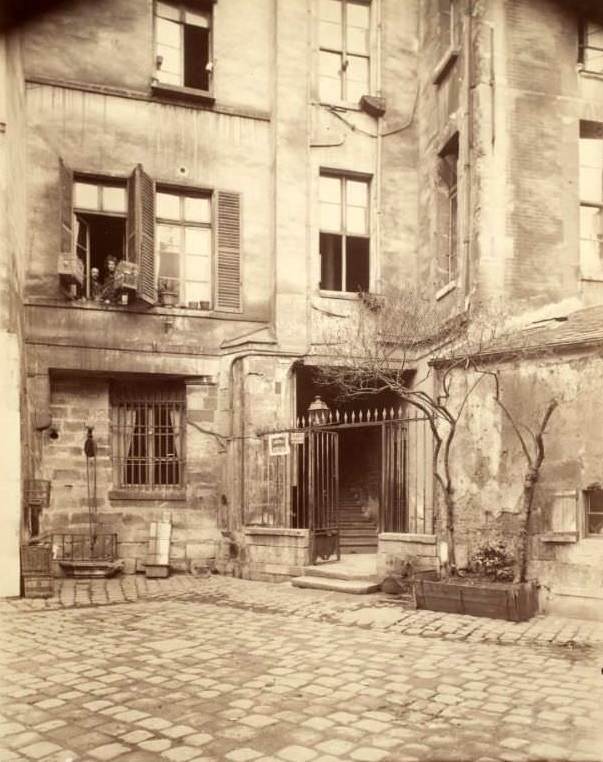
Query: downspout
[[376, 286], [467, 149]]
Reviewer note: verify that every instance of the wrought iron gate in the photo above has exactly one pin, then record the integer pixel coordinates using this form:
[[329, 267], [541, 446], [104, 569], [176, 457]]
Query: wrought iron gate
[[323, 494]]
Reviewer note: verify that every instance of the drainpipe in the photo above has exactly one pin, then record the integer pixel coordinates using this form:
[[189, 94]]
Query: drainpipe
[[467, 149], [378, 177]]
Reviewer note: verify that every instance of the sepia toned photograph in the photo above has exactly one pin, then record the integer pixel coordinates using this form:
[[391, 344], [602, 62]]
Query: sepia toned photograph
[[301, 380]]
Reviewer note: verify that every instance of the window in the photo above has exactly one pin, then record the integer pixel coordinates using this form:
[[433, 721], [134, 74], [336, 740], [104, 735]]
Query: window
[[344, 40], [183, 45], [591, 46], [184, 247], [165, 235], [593, 499], [591, 200], [100, 233], [344, 233], [447, 221], [148, 435]]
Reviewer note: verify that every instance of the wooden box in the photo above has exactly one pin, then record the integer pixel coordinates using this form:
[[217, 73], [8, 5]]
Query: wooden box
[[126, 275], [38, 587]]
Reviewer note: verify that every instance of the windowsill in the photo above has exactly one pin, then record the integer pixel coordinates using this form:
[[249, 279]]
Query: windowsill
[[559, 537], [445, 290], [134, 307], [587, 73], [176, 92], [444, 65], [134, 494], [592, 278], [348, 295]]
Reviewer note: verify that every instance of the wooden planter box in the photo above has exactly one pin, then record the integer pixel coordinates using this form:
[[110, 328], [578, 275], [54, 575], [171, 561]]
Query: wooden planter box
[[515, 602]]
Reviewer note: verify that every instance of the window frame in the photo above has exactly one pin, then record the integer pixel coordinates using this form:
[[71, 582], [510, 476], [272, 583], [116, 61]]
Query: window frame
[[584, 129], [187, 192], [586, 496], [343, 78], [182, 89], [344, 178], [583, 25], [171, 395], [77, 212], [452, 259]]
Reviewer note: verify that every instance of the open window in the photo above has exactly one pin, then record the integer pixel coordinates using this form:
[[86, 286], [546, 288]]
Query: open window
[[593, 503], [344, 233], [591, 200], [183, 45]]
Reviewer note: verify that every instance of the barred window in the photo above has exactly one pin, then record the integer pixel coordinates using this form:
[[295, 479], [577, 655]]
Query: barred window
[[148, 435]]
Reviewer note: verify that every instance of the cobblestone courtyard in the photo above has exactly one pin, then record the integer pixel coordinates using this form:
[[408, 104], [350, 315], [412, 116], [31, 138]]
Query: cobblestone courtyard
[[223, 669]]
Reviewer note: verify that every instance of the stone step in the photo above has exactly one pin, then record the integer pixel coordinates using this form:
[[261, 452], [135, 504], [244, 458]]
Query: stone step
[[353, 586], [359, 534], [337, 571]]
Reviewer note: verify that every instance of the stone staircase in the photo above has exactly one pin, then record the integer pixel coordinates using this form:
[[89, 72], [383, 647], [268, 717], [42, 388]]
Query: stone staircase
[[357, 532], [356, 574]]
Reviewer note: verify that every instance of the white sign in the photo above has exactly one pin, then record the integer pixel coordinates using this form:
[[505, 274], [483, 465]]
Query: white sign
[[297, 437], [278, 444]]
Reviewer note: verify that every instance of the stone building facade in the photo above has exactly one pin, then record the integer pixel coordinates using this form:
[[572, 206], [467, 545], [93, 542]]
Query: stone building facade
[[262, 164]]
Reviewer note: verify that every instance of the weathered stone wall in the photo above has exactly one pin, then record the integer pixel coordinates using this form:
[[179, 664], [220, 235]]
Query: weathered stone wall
[[488, 465], [15, 460], [77, 402]]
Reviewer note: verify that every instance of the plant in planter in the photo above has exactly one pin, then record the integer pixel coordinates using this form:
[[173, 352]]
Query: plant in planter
[[168, 292]]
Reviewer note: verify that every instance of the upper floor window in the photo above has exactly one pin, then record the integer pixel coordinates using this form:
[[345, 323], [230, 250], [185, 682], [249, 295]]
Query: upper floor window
[[591, 200], [126, 239], [591, 46], [100, 234], [183, 45], [447, 212], [344, 233], [344, 41], [184, 240]]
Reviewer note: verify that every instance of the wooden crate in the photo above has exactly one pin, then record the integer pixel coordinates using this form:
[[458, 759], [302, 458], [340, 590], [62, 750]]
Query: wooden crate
[[35, 560], [71, 269], [38, 587], [126, 275]]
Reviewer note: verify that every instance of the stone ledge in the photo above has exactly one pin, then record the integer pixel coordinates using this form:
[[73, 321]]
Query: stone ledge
[[427, 539], [275, 532]]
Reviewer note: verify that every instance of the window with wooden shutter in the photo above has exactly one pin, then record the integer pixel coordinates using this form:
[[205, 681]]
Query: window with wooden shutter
[[141, 231], [66, 190], [228, 251], [563, 517]]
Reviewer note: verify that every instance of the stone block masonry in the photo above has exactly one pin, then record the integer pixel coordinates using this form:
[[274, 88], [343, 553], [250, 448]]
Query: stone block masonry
[[77, 402]]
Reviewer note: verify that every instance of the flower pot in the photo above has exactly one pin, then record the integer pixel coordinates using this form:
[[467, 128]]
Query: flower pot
[[516, 602], [169, 298]]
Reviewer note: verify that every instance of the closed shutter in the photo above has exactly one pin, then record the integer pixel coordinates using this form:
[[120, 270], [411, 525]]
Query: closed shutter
[[564, 512], [228, 252], [141, 232], [66, 212]]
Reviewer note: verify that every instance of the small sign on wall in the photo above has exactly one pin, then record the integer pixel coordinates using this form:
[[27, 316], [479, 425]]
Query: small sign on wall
[[297, 437], [278, 444]]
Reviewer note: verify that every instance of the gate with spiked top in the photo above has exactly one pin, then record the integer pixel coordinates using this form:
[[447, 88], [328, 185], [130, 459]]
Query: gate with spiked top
[[295, 475]]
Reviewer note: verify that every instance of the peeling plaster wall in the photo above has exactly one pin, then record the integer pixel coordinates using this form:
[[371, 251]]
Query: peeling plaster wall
[[488, 465]]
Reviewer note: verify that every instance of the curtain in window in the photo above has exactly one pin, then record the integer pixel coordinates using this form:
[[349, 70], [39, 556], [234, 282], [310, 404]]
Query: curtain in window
[[128, 423]]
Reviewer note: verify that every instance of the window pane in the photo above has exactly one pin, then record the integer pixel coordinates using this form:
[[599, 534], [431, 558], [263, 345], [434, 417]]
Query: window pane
[[329, 189], [330, 76], [114, 199], [169, 237], [197, 209], [357, 193], [357, 75], [329, 35], [167, 11], [357, 31], [330, 216], [591, 169], [330, 10], [198, 269], [168, 33], [197, 241], [85, 196], [169, 265], [196, 19], [357, 41], [358, 15], [168, 206], [357, 264], [167, 78], [169, 63], [330, 262], [356, 220], [196, 292], [595, 523], [591, 241]]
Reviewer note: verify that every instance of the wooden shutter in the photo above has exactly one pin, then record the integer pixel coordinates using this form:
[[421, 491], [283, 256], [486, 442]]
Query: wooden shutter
[[66, 212], [141, 232], [564, 512], [228, 252]]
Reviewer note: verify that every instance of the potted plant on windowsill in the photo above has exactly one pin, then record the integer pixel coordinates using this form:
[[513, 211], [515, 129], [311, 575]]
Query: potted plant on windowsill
[[168, 293]]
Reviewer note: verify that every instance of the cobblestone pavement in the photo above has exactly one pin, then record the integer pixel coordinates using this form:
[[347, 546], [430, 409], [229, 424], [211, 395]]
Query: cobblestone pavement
[[223, 669]]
